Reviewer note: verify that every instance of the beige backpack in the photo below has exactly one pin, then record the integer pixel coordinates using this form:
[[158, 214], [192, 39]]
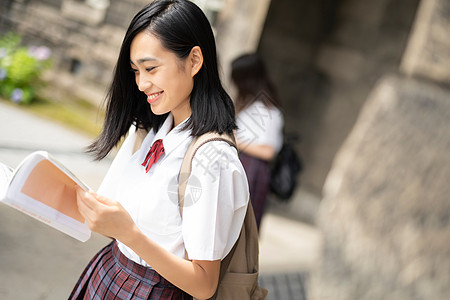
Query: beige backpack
[[238, 277]]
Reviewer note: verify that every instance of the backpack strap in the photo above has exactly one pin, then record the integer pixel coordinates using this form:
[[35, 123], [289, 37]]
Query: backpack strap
[[185, 171], [186, 165]]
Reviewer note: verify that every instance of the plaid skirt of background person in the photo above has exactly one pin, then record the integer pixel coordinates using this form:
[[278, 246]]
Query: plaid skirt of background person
[[111, 275], [258, 175]]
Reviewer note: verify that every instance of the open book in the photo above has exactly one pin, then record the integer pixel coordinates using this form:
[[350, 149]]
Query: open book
[[43, 188]]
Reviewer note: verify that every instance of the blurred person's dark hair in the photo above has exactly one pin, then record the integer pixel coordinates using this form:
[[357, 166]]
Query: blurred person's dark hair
[[249, 74], [179, 25]]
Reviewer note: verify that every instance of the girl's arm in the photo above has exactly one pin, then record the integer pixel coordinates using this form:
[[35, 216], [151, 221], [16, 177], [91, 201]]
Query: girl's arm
[[198, 278], [264, 152]]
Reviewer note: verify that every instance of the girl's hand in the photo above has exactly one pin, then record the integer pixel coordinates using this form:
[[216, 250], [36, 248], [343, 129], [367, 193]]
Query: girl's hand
[[105, 216]]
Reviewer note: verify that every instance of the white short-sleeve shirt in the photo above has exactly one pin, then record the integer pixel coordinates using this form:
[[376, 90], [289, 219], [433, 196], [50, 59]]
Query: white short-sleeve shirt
[[260, 125], [215, 201]]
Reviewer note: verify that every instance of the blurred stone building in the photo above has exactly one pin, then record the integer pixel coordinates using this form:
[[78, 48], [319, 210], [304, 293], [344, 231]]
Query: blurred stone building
[[324, 57], [385, 213]]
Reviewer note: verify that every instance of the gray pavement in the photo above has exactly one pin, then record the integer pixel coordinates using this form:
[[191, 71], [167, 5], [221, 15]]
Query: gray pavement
[[38, 262]]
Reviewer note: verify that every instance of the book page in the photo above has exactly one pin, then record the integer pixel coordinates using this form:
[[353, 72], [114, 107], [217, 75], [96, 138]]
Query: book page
[[5, 177], [49, 185], [68, 172]]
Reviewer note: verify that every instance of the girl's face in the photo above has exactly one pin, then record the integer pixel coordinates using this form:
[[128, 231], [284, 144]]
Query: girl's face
[[165, 79]]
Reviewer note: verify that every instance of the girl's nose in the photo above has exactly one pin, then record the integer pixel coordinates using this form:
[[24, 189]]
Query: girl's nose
[[143, 83]]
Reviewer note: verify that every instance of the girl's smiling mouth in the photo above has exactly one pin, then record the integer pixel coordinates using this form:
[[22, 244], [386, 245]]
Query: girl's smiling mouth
[[152, 98]]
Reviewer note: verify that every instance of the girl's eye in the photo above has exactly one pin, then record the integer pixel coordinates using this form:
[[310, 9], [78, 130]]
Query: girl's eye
[[147, 69]]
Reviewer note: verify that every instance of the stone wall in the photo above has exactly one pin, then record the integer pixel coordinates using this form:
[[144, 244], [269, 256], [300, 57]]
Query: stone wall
[[85, 39], [385, 215], [427, 53]]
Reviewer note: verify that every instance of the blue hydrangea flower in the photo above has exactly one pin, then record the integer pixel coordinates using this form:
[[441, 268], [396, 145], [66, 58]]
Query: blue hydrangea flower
[[3, 52], [3, 74], [17, 95], [40, 53]]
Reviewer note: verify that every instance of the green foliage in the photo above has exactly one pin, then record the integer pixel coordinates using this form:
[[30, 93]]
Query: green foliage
[[21, 68]]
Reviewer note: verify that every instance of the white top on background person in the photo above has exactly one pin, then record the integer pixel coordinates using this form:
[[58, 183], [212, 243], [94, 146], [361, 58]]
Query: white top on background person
[[260, 124]]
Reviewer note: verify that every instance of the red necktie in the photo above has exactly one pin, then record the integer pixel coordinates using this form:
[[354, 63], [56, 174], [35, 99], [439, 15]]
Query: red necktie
[[153, 154]]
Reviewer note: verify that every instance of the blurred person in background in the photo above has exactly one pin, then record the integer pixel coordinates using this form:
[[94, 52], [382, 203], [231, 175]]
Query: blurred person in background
[[260, 125]]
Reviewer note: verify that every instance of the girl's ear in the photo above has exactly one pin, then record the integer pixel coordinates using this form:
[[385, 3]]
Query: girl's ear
[[196, 59]]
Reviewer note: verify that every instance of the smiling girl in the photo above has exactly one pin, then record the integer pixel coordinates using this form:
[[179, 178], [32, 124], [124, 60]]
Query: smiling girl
[[166, 82]]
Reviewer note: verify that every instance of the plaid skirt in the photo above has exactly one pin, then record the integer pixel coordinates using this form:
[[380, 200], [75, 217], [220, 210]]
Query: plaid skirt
[[258, 175], [111, 275]]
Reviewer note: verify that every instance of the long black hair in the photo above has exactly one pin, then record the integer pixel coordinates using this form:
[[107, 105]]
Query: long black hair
[[249, 74], [179, 25]]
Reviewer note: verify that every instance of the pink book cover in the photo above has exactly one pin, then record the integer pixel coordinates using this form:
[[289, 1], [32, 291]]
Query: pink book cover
[[50, 186]]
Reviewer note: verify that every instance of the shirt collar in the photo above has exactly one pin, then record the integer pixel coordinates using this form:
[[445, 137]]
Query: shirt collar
[[172, 138]]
